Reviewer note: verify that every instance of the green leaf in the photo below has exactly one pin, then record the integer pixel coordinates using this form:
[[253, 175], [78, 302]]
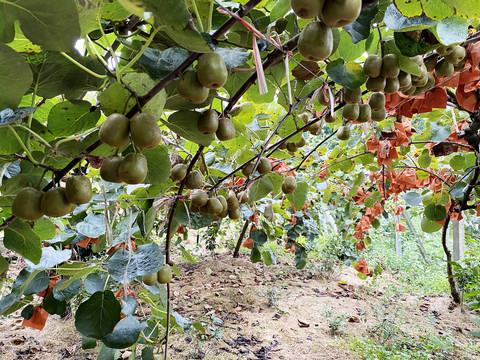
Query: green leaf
[[68, 118], [360, 29], [88, 343], [3, 265], [260, 188], [7, 25], [412, 198], [451, 30], [424, 160], [437, 9], [184, 123], [435, 212], [269, 257], [348, 74], [259, 237], [396, 21], [159, 165], [406, 64], [54, 306], [409, 8], [125, 333], [299, 196], [430, 226], [19, 237], [116, 99], [44, 228], [458, 162], [97, 316], [52, 24], [280, 8], [15, 77], [141, 84], [256, 255], [409, 46]]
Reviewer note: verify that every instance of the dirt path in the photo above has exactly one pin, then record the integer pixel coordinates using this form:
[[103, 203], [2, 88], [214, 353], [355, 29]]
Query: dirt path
[[256, 312]]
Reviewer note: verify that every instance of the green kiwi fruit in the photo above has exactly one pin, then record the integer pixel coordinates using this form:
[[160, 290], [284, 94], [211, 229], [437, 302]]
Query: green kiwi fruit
[[444, 68], [243, 197], [78, 189], [306, 9], [316, 41], [194, 180], [445, 50], [376, 84], [431, 61], [392, 85], [232, 201], [150, 279], [404, 80], [223, 201], [410, 91], [214, 206], [179, 171], [390, 66], [379, 115], [329, 118], [115, 130], [291, 147], [248, 169], [372, 66], [377, 101], [54, 203], [27, 204], [133, 169], [144, 131], [208, 122], [211, 70], [365, 113], [164, 275], [199, 198], [457, 55], [338, 13], [301, 143], [352, 96], [190, 89], [264, 166], [351, 112], [343, 132], [289, 185], [109, 169], [234, 214], [226, 129]]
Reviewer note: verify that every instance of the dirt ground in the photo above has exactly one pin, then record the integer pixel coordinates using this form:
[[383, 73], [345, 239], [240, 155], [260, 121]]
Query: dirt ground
[[252, 311]]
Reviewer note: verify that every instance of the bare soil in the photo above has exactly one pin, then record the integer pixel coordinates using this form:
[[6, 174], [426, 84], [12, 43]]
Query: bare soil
[[251, 311]]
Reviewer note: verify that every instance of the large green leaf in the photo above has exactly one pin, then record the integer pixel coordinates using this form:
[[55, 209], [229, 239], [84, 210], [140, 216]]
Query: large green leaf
[[396, 21], [360, 28], [68, 118], [19, 237], [451, 30], [125, 333], [7, 28], [52, 24], [349, 74], [184, 123], [15, 77], [299, 196], [97, 316], [158, 165]]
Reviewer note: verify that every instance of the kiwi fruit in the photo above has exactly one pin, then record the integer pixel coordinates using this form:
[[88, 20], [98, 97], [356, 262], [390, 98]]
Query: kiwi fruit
[[232, 201], [372, 67], [289, 184], [365, 113], [379, 115], [419, 81], [194, 180], [27, 204], [199, 198], [133, 169], [223, 201], [410, 91], [208, 122], [234, 214], [301, 143], [179, 171], [248, 169], [306, 9], [55, 204], [404, 80], [226, 129], [214, 206], [164, 275], [352, 96], [314, 128], [144, 131], [444, 68], [338, 13], [457, 55], [150, 279], [190, 89], [115, 130], [343, 132], [329, 118], [377, 101], [392, 85], [351, 112], [243, 197], [109, 169], [431, 61], [445, 50], [376, 84], [78, 189], [390, 67], [292, 147], [211, 70], [264, 166], [316, 41]]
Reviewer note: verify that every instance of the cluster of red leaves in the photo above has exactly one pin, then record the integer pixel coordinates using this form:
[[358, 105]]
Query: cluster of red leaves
[[385, 146], [365, 222], [400, 104], [362, 267]]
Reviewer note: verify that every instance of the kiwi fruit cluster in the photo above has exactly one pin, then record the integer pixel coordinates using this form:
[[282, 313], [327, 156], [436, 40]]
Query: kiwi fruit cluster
[[316, 39], [447, 60], [163, 276], [210, 123], [31, 204], [264, 167], [116, 131], [210, 73], [216, 206]]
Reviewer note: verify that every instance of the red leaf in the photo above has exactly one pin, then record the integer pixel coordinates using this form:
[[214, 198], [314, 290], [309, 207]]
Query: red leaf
[[38, 319]]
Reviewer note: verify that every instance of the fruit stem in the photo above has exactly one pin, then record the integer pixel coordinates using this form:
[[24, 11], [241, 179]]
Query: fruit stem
[[197, 15], [34, 134], [83, 67], [22, 144], [140, 52]]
